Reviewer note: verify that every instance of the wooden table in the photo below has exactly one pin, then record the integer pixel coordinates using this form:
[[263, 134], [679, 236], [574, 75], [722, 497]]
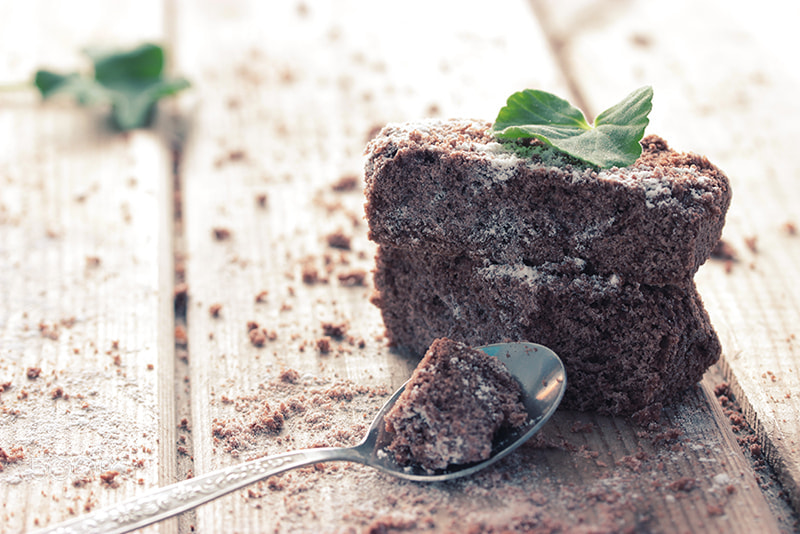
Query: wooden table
[[241, 189]]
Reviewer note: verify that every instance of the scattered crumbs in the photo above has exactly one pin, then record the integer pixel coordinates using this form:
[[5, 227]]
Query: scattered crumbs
[[49, 331], [5, 386], [310, 274], [667, 436], [267, 421], [580, 426], [261, 200], [11, 456], [752, 243], [790, 228], [335, 330], [339, 240], [684, 484], [323, 345], [641, 40], [352, 278], [258, 335], [648, 415], [724, 251], [221, 234], [714, 510], [92, 262], [215, 309], [81, 482], [262, 296], [58, 393], [348, 182], [289, 376], [109, 478], [233, 155]]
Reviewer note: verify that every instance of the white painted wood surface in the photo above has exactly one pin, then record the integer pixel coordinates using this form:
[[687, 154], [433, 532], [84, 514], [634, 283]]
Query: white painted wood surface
[[85, 279]]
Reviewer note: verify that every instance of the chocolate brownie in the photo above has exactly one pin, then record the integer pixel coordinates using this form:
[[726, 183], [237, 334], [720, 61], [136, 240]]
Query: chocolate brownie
[[625, 345], [453, 405], [485, 242], [446, 187]]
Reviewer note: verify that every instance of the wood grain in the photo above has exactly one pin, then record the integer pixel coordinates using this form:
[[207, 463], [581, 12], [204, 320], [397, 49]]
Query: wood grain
[[287, 97], [725, 86], [85, 279]]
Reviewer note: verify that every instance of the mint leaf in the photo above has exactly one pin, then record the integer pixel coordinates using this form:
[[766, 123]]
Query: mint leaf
[[130, 80], [613, 139]]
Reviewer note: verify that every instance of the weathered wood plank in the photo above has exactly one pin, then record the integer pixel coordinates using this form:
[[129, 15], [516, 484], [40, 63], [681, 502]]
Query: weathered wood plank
[[725, 86], [287, 95], [85, 280]]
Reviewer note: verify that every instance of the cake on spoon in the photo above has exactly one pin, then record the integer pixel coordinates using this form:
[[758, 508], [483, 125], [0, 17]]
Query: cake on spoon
[[455, 402]]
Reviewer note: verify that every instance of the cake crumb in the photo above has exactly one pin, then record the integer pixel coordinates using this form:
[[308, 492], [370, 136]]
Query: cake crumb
[[13, 455], [323, 345], [685, 484], [338, 239], [335, 330], [723, 251], [752, 243], [258, 335], [109, 478], [355, 277], [348, 182], [221, 233], [289, 376]]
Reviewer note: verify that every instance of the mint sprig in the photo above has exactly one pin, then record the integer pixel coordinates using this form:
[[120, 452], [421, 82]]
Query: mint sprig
[[131, 81], [613, 139]]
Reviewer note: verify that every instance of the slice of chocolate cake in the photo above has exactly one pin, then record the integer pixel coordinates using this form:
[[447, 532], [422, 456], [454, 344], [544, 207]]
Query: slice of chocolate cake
[[625, 346], [453, 405], [486, 242], [448, 188]]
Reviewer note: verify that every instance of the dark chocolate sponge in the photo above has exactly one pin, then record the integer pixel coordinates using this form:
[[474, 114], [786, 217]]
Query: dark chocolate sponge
[[625, 346], [447, 188]]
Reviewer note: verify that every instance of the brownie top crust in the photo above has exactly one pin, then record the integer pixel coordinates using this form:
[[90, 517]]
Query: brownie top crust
[[447, 187]]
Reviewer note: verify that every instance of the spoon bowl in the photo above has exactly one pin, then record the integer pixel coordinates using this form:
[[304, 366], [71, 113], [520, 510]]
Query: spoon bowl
[[537, 368]]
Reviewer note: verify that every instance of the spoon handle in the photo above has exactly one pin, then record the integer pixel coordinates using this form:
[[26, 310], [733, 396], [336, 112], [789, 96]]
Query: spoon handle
[[171, 500]]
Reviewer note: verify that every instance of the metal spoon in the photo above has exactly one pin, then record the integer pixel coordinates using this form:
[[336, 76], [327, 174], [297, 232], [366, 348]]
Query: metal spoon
[[537, 368]]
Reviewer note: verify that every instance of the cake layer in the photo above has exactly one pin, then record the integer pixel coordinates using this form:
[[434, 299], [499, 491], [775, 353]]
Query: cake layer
[[446, 187], [626, 346], [456, 400]]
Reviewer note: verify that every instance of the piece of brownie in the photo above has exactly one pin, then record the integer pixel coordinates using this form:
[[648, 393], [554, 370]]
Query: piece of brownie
[[446, 187], [625, 345], [453, 405], [485, 242]]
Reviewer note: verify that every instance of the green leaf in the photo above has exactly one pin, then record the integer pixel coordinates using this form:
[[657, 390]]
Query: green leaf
[[130, 80], [143, 63], [613, 139]]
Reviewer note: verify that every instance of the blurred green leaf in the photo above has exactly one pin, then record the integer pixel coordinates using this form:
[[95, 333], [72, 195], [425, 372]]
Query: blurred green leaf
[[130, 80]]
